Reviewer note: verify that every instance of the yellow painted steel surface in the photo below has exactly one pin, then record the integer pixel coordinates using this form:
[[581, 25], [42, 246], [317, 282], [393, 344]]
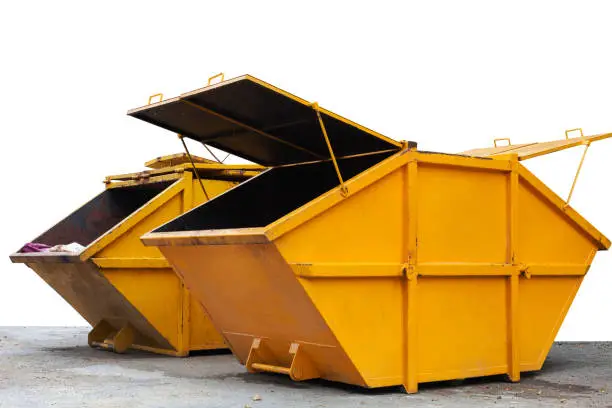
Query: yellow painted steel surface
[[415, 267], [127, 291], [435, 267]]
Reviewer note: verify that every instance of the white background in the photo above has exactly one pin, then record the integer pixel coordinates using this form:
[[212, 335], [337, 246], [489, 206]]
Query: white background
[[449, 75]]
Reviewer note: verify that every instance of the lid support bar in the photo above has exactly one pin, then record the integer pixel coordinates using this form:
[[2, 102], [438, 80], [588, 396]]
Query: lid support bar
[[193, 166], [586, 148], [343, 188], [211, 152]]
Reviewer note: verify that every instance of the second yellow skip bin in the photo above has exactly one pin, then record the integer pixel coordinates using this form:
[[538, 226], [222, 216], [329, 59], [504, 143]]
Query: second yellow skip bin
[[127, 291], [363, 260]]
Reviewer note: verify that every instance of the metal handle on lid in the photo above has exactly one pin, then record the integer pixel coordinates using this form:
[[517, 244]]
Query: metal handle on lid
[[501, 139], [567, 132], [219, 75], [157, 95]]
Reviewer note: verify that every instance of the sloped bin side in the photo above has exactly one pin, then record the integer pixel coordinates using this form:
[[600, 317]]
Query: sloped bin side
[[433, 267], [126, 291]]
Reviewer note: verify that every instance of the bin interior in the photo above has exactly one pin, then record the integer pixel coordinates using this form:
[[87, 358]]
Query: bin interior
[[264, 124], [269, 196], [100, 214]]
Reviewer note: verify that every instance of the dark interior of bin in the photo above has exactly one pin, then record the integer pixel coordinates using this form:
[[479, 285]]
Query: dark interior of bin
[[269, 196], [100, 214]]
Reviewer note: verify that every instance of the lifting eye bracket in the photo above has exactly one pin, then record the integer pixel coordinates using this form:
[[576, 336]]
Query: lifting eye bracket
[[343, 189]]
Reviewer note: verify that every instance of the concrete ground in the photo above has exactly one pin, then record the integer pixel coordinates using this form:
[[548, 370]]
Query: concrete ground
[[53, 367]]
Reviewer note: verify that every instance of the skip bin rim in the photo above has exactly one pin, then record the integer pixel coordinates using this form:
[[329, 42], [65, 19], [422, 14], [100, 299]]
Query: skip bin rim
[[94, 246], [287, 222], [254, 234], [316, 206], [172, 176]]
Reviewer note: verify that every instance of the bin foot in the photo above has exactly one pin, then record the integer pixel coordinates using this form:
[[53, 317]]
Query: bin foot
[[411, 388], [99, 333], [98, 337], [513, 378], [123, 339], [301, 368], [157, 350]]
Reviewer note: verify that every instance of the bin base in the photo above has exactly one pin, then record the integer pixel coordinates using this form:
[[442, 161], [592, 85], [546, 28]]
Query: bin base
[[105, 337], [120, 341], [300, 369]]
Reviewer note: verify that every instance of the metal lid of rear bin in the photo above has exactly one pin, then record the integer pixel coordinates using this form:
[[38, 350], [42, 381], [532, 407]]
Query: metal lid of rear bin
[[261, 123], [176, 159]]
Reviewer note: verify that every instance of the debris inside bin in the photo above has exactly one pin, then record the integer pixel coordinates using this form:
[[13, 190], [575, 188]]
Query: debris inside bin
[[34, 247], [30, 247]]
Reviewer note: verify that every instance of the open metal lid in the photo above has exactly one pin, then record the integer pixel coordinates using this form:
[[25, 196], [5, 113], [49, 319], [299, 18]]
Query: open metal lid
[[176, 159], [530, 150], [261, 123]]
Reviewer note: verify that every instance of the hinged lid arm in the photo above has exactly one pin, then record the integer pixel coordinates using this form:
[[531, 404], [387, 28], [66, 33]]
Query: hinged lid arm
[[211, 152], [193, 166], [343, 188], [586, 147]]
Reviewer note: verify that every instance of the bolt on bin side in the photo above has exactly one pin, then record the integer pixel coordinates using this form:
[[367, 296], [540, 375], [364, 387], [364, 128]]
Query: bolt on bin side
[[126, 291], [377, 264]]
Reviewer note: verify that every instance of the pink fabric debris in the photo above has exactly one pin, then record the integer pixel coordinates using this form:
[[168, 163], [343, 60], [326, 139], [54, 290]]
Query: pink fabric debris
[[34, 247]]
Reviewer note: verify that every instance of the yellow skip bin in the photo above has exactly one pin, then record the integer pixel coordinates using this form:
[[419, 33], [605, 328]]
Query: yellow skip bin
[[126, 291], [359, 259]]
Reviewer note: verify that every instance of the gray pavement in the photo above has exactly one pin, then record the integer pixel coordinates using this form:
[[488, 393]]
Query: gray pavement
[[53, 367]]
